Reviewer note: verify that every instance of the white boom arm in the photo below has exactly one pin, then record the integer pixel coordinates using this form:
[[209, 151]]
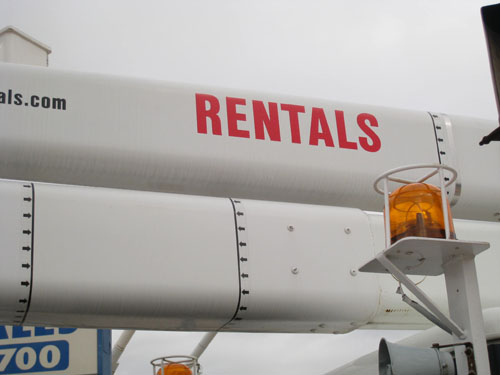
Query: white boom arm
[[95, 130], [200, 263]]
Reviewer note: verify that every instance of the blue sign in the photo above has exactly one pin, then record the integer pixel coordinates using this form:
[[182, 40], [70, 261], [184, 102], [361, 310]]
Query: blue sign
[[17, 332], [31, 350], [34, 357]]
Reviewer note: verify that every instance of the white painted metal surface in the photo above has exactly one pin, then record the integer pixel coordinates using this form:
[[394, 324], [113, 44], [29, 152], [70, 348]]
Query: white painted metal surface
[[299, 263], [108, 131], [465, 309], [425, 256], [146, 135], [187, 248], [447, 152], [183, 256], [16, 238], [178, 253]]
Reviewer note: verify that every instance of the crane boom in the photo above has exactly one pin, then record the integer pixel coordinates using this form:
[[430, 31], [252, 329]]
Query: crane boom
[[95, 130], [99, 257]]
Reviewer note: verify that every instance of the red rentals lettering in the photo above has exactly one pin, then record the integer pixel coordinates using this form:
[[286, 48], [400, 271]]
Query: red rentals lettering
[[266, 121]]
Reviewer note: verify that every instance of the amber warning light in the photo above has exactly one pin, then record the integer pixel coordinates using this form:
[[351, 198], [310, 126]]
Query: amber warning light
[[417, 208], [176, 365], [174, 369]]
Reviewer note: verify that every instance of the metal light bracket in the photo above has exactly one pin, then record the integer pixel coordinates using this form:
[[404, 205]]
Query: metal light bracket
[[426, 257], [433, 256]]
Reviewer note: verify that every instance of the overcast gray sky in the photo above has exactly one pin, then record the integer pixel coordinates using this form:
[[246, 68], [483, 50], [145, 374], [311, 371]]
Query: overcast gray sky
[[425, 55]]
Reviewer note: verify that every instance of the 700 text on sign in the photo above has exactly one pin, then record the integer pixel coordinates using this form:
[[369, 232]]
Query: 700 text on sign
[[34, 357]]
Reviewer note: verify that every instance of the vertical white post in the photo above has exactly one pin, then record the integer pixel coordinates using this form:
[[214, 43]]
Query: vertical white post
[[444, 203], [387, 215], [465, 309]]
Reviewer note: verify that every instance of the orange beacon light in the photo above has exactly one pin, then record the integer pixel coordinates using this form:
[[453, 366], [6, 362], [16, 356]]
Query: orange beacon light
[[417, 208], [174, 369], [175, 365]]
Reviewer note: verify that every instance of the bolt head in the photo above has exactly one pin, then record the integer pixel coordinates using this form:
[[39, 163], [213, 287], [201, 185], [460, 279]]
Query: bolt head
[[347, 230], [290, 228], [353, 272], [295, 270]]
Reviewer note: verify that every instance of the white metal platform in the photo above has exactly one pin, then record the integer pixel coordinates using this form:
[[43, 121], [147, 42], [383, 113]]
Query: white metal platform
[[424, 256]]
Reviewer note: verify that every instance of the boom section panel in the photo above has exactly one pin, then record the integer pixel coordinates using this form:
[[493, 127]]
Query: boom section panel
[[86, 129]]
